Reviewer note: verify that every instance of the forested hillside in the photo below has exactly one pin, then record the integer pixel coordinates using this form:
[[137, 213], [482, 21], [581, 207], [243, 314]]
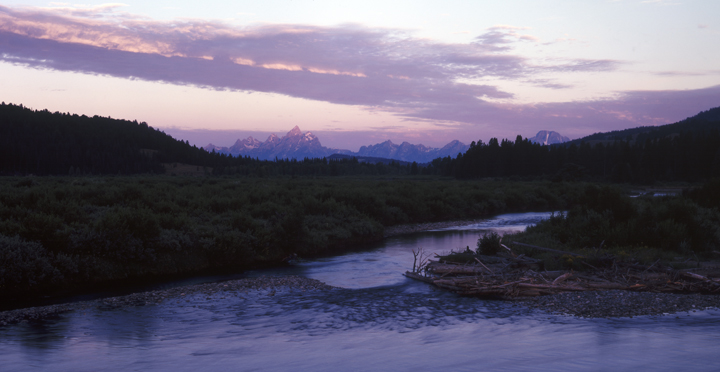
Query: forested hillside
[[706, 120], [685, 151], [45, 143]]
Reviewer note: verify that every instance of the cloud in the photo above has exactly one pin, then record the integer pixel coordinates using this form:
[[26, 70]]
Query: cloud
[[376, 68], [678, 73], [87, 11], [347, 64], [500, 36], [629, 109], [687, 73], [547, 83], [579, 65]]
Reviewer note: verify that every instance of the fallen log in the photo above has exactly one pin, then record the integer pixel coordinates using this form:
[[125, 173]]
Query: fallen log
[[454, 281], [548, 249], [699, 277], [419, 277], [483, 265], [552, 274], [457, 270], [641, 267], [561, 288], [501, 277], [562, 278], [604, 285]]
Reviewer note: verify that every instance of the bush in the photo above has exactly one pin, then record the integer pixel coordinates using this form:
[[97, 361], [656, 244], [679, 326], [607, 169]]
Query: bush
[[649, 227], [26, 266], [70, 233], [489, 244]]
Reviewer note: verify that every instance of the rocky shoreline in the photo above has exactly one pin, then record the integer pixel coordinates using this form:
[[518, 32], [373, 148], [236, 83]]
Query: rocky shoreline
[[591, 304], [268, 285], [621, 304], [594, 304]]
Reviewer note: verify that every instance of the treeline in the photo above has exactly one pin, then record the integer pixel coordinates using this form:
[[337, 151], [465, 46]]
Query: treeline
[[605, 222], [686, 151], [314, 167], [45, 143], [72, 232]]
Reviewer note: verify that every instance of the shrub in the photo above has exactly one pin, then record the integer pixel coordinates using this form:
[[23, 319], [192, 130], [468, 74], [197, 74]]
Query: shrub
[[489, 244], [26, 266], [69, 233]]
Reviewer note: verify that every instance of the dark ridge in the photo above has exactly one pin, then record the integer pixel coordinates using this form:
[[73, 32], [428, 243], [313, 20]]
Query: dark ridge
[[44, 143], [704, 121], [686, 151]]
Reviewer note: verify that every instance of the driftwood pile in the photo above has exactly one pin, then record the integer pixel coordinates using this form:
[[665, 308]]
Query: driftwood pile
[[509, 276]]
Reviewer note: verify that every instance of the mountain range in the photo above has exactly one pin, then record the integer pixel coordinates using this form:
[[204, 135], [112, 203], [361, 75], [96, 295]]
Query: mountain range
[[43, 143], [299, 145], [295, 144]]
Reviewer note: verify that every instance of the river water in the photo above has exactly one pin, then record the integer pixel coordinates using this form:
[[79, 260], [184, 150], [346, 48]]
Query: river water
[[379, 321]]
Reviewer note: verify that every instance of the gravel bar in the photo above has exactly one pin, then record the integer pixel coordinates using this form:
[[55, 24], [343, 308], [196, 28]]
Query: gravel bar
[[269, 285], [590, 304], [619, 304]]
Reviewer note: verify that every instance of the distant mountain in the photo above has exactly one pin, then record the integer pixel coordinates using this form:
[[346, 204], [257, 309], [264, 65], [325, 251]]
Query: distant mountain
[[299, 145], [545, 137], [409, 152], [295, 144]]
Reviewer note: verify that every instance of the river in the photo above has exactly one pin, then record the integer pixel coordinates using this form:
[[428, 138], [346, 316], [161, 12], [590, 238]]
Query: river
[[378, 321]]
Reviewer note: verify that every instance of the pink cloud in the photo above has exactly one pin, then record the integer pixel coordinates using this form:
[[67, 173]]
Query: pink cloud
[[579, 118], [382, 69]]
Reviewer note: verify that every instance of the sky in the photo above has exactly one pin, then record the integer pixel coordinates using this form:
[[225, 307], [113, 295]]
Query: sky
[[362, 72]]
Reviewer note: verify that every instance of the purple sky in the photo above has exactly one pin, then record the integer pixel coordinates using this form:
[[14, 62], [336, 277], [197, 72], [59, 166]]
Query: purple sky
[[352, 84]]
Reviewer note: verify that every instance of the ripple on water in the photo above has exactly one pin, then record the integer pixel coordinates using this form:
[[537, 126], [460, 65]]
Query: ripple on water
[[390, 325]]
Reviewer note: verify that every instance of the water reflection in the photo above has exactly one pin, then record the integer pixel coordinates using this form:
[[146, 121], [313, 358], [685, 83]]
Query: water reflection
[[382, 264], [379, 320]]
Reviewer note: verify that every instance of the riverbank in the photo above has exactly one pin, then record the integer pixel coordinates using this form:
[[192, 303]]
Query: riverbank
[[79, 234], [591, 304], [265, 285], [621, 304]]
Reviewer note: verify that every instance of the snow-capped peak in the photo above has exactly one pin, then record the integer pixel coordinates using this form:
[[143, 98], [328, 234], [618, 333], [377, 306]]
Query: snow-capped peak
[[295, 132]]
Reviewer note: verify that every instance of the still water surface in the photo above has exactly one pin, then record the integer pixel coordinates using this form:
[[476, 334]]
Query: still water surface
[[379, 321]]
